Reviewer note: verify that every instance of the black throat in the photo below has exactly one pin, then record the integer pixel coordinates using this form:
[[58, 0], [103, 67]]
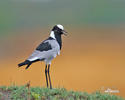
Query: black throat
[[59, 39]]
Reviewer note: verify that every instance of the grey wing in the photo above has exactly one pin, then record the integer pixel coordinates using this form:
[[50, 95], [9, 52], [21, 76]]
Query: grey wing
[[40, 51], [34, 56]]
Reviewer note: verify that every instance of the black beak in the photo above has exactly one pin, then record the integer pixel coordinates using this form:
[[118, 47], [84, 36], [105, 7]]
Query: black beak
[[64, 32]]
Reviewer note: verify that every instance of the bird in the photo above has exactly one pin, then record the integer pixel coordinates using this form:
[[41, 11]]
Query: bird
[[46, 51]]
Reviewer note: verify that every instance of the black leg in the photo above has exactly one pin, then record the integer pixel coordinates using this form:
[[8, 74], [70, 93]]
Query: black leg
[[46, 75], [49, 77]]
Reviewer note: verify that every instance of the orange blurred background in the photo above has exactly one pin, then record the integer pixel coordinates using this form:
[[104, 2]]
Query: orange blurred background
[[87, 62]]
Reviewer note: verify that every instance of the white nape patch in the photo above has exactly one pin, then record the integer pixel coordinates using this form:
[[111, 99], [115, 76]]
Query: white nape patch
[[52, 34], [60, 26]]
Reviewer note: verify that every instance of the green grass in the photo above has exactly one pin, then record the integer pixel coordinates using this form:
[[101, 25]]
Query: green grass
[[37, 93]]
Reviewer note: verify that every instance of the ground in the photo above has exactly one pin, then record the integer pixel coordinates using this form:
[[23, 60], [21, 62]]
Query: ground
[[37, 93]]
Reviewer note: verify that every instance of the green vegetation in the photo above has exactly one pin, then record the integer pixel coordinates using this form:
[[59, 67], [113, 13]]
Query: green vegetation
[[37, 93]]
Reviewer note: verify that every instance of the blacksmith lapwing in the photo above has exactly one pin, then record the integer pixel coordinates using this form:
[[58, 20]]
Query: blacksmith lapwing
[[47, 50]]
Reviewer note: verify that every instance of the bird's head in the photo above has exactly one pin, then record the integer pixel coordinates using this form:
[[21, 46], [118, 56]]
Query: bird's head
[[59, 29]]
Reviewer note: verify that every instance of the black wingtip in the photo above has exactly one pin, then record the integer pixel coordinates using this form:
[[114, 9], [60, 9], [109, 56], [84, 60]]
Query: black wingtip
[[24, 63], [28, 66], [19, 65]]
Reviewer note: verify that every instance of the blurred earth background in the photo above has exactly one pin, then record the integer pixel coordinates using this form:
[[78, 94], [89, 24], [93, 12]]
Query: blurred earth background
[[93, 53]]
